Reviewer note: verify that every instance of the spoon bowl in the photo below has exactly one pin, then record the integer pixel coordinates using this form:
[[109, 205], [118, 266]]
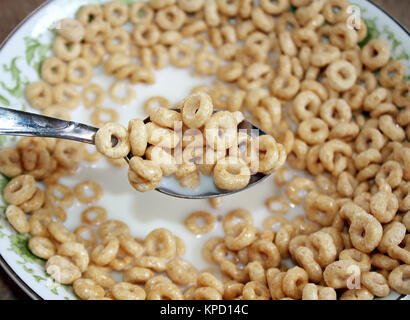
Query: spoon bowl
[[21, 123]]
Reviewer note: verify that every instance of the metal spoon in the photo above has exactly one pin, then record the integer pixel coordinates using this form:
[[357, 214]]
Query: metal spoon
[[20, 123]]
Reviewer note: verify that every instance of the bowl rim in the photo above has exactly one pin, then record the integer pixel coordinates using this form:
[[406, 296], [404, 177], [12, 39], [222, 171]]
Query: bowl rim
[[6, 267]]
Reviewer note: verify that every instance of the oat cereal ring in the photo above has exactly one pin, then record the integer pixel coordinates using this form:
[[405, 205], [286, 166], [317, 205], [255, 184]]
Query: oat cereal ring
[[304, 256], [336, 11], [39, 95], [112, 228], [231, 174], [220, 129], [165, 117], [365, 231], [343, 37], [208, 248], [144, 175], [397, 279], [274, 7], [375, 54], [337, 274], [130, 246], [71, 29], [10, 164], [276, 204], [256, 271], [285, 87], [323, 54], [160, 243], [58, 112], [127, 291], [165, 291], [240, 236], [62, 270], [89, 13], [360, 258], [232, 290], [155, 263], [193, 225], [181, 271], [79, 71], [335, 111], [86, 236], [87, 289], [306, 105], [313, 131], [118, 40], [66, 95], [42, 247], [106, 252], [68, 153], [272, 155], [294, 281], [295, 186], [137, 275], [230, 72], [236, 216], [152, 282], [255, 290], [155, 102], [300, 226], [93, 53], [93, 96], [313, 292], [146, 35], [19, 189], [320, 209], [265, 252], [357, 294], [60, 233], [400, 94], [60, 195], [388, 126], [375, 283], [116, 13], [181, 55], [206, 279], [163, 158], [80, 191], [328, 155], [53, 70], [274, 279], [141, 13], [196, 110], [77, 252], [341, 75], [17, 218], [122, 93], [138, 137], [391, 74], [170, 18], [104, 137], [38, 224], [97, 31]]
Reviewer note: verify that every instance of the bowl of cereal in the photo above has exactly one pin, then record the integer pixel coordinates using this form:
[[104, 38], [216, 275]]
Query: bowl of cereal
[[328, 82]]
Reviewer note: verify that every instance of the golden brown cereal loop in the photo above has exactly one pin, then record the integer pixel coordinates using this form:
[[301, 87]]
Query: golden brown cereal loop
[[193, 225]]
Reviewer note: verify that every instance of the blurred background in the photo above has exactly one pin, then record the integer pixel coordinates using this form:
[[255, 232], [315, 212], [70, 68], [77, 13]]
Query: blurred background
[[13, 11]]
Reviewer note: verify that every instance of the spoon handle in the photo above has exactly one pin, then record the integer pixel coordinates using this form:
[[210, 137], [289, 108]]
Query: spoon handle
[[20, 123]]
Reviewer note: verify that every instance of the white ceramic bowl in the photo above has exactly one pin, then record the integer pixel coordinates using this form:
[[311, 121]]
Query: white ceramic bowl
[[21, 54]]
